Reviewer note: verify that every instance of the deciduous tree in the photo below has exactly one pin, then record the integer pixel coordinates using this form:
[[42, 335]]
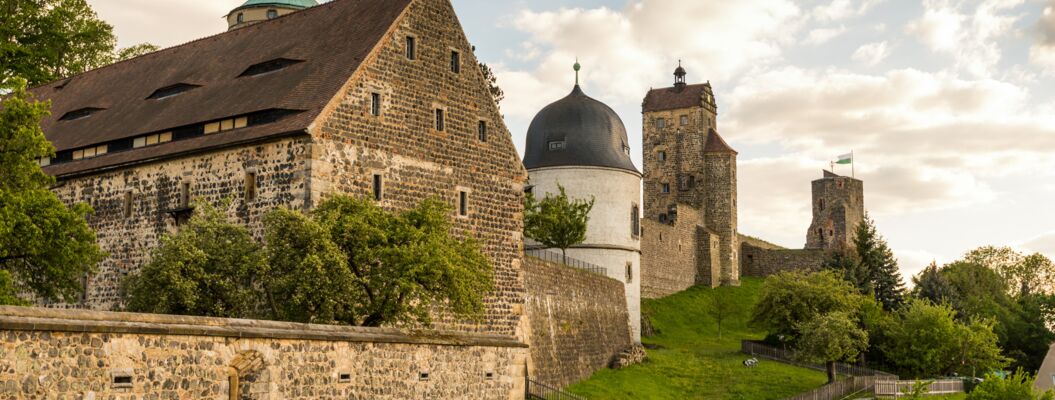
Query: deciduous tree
[[45, 245], [831, 338], [926, 340], [557, 221], [790, 299]]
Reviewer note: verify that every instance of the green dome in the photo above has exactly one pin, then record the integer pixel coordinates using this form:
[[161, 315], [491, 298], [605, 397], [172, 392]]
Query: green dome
[[279, 3]]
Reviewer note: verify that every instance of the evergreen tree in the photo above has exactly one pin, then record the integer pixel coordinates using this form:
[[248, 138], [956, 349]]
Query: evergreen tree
[[846, 263], [932, 285], [876, 257]]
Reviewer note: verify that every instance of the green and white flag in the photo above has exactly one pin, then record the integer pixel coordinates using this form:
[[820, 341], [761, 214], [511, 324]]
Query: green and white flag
[[847, 158]]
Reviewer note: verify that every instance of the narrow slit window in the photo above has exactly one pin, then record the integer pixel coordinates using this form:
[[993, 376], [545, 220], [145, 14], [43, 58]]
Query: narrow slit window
[[184, 195], [456, 62], [412, 51], [629, 273], [128, 205], [440, 123], [379, 193], [344, 378], [122, 380], [481, 131], [375, 104], [635, 221], [666, 188], [250, 186], [463, 203]]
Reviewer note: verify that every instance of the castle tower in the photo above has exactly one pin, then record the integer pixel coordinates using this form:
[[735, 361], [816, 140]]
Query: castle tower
[[253, 11], [687, 162], [581, 144], [838, 206]]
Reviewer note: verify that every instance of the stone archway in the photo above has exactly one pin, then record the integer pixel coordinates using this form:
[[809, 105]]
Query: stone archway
[[247, 377]]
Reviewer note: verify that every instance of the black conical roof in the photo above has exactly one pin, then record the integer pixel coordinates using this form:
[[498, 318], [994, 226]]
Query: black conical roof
[[591, 132]]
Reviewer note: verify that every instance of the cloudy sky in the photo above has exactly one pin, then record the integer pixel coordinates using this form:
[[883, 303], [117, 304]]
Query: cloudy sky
[[949, 105]]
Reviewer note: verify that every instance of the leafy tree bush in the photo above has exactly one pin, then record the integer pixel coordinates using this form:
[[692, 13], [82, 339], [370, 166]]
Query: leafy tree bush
[[400, 266], [831, 338], [791, 299], [1017, 386], [931, 285], [557, 221], [926, 340], [210, 267], [45, 40], [45, 246]]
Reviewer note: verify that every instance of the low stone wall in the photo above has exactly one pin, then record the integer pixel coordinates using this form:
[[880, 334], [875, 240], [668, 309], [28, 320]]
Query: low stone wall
[[761, 262], [66, 354], [579, 321], [670, 254]]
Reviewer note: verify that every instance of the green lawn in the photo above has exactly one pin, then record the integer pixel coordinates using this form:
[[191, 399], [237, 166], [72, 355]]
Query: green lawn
[[693, 363]]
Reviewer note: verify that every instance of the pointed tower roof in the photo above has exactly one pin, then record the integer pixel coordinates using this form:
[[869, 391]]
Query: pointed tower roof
[[715, 144]]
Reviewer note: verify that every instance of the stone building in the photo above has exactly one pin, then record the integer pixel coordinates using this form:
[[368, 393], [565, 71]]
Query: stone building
[[377, 99], [253, 11], [838, 207], [689, 191], [581, 144]]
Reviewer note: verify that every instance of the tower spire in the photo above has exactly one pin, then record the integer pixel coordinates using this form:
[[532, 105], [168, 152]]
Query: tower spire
[[577, 67], [679, 76]]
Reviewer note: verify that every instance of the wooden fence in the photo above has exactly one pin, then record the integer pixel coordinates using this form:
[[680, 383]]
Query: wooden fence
[[895, 388], [839, 389], [788, 357]]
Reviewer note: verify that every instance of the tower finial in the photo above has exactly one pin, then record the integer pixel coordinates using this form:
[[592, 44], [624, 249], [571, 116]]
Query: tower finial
[[577, 67], [679, 76]]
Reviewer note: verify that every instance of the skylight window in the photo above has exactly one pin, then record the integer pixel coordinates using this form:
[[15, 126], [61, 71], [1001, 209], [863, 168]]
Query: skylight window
[[269, 66], [169, 91], [79, 113]]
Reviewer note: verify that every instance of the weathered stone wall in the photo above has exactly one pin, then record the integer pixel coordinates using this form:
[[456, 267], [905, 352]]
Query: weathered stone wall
[[280, 169], [68, 354], [416, 161], [838, 206], [670, 259], [762, 262], [721, 213], [578, 319]]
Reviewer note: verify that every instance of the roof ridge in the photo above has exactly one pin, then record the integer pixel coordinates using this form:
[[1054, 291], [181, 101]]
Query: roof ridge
[[166, 49]]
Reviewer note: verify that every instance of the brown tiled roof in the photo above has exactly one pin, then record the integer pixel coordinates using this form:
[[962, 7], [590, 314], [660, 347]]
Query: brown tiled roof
[[715, 144], [672, 98], [332, 39]]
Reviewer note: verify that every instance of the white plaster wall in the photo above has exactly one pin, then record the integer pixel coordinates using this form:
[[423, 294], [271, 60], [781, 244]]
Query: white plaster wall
[[614, 192]]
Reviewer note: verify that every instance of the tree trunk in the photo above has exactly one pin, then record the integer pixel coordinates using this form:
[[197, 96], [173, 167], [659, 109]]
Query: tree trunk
[[564, 256], [831, 371]]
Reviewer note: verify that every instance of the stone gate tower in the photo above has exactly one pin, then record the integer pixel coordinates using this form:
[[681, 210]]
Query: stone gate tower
[[688, 164], [838, 206]]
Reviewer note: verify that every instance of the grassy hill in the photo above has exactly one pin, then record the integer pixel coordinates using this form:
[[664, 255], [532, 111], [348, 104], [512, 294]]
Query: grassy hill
[[692, 363]]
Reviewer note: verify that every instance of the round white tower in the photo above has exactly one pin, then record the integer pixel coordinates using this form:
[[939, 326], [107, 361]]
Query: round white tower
[[253, 11], [581, 144]]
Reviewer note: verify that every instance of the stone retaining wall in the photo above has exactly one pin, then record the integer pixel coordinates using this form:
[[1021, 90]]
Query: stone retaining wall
[[579, 321], [68, 354], [760, 262]]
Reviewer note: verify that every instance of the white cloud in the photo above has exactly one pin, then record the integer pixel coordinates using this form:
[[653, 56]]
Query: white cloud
[[164, 23], [966, 34], [1042, 52], [823, 35], [842, 9], [872, 53]]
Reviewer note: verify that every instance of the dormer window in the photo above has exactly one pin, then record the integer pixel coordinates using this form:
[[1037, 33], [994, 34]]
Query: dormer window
[[79, 113], [269, 66], [150, 140], [44, 161], [173, 90], [556, 145], [626, 149], [272, 14], [240, 18], [90, 152]]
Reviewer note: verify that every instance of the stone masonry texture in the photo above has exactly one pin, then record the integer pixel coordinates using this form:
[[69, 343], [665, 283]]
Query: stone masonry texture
[[762, 262], [72, 354], [676, 255], [838, 206], [341, 153], [579, 322], [674, 159]]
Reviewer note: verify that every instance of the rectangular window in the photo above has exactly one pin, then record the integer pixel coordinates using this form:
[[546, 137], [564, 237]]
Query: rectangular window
[[661, 123], [250, 186], [378, 188], [152, 140], [128, 204], [684, 120], [666, 188], [241, 122], [78, 154], [556, 145], [463, 203], [184, 195], [212, 127], [44, 161], [375, 104], [412, 51], [439, 120], [456, 62], [481, 131], [635, 221], [226, 124]]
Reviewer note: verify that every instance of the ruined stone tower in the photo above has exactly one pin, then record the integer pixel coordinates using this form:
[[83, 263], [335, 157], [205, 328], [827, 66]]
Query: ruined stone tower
[[838, 206], [688, 164]]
